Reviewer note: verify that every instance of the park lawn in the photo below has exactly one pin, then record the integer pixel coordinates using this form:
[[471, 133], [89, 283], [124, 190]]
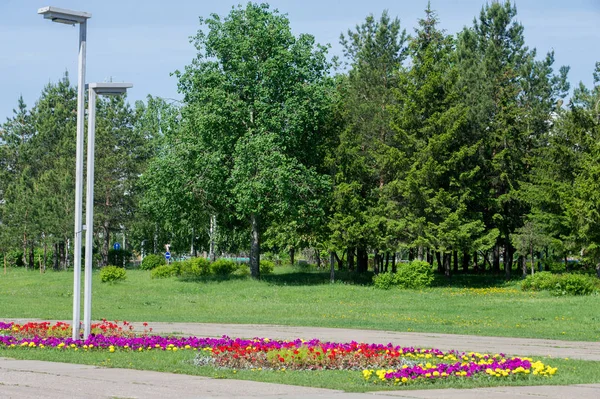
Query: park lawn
[[569, 371], [291, 297]]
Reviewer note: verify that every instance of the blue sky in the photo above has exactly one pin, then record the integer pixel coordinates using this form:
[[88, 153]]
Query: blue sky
[[144, 41]]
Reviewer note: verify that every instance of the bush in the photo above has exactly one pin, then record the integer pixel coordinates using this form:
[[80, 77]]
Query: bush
[[14, 258], [223, 267], [561, 284], [112, 274], [416, 274], [243, 269], [152, 261], [575, 284], [542, 281], [195, 268], [384, 281], [165, 271], [266, 267]]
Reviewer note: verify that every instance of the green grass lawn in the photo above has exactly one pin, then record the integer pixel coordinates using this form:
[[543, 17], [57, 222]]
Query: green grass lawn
[[569, 371], [291, 297]]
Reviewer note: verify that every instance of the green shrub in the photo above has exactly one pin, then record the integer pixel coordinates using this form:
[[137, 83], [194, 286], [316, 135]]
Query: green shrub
[[561, 284], [575, 284], [195, 268], [152, 261], [416, 274], [266, 267], [384, 281], [14, 258], [223, 267], [542, 281], [112, 274], [164, 271], [243, 269]]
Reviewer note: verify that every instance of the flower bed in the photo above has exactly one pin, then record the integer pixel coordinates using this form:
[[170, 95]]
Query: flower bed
[[379, 363]]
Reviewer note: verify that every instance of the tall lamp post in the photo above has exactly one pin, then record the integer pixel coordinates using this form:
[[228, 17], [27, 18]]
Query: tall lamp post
[[94, 89], [70, 17]]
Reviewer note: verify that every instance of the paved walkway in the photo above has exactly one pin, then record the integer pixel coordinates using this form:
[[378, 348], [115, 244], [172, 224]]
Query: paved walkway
[[37, 379], [32, 379]]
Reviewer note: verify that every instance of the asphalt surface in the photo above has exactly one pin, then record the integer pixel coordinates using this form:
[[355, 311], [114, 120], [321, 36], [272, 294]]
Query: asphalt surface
[[37, 379]]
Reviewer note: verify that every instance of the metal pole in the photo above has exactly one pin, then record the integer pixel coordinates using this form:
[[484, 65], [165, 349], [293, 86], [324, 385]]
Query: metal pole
[[89, 215], [79, 180]]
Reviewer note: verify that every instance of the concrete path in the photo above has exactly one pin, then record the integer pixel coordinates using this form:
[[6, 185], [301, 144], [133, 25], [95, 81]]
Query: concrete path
[[32, 379]]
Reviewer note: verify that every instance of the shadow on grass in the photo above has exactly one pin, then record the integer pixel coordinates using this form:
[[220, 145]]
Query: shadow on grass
[[292, 278], [482, 280], [318, 278]]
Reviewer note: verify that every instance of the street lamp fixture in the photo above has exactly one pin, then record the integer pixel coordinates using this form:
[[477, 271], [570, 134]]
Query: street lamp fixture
[[76, 17], [63, 16], [94, 89]]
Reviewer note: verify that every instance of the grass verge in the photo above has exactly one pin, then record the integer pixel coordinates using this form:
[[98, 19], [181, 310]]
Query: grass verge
[[473, 305]]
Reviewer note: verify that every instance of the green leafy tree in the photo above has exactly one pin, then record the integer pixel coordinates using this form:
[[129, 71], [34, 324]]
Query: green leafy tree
[[257, 98]]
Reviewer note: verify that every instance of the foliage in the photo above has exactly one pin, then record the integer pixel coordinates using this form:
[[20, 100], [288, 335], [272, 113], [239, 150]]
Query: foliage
[[414, 275], [151, 261], [561, 284], [112, 274], [256, 101], [266, 267], [14, 258], [194, 268], [165, 271], [223, 267]]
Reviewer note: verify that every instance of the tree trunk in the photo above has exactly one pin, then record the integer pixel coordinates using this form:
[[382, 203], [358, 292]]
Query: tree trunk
[[362, 260], [318, 257], [438, 257], [546, 262], [387, 261], [213, 229], [429, 257], [351, 259], [566, 263], [292, 253], [339, 261], [105, 244], [61, 255], [331, 267], [455, 256], [420, 253], [394, 268], [532, 261], [25, 263], [507, 258], [45, 253], [521, 261], [55, 256], [31, 256], [465, 261], [447, 265], [411, 254], [496, 259], [376, 262], [475, 265], [255, 247]]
